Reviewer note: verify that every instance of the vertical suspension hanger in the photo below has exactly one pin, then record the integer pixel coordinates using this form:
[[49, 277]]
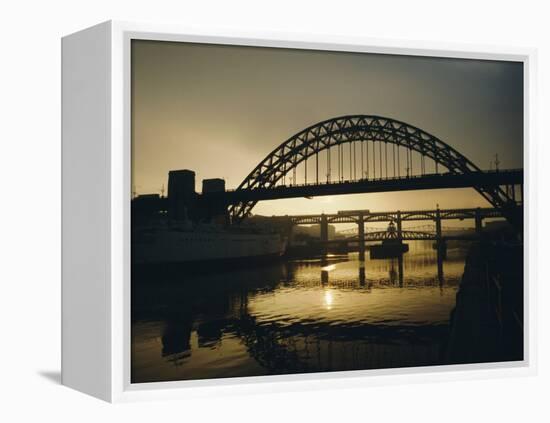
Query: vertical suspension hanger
[[362, 159], [351, 159], [381, 168], [354, 161], [393, 160], [328, 165], [367, 149], [305, 168], [317, 166], [386, 156], [374, 158]]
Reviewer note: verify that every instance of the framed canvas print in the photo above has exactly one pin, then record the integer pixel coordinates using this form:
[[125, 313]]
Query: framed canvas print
[[252, 212]]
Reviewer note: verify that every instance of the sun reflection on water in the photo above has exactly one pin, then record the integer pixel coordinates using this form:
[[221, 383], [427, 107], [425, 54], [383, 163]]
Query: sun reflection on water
[[328, 299]]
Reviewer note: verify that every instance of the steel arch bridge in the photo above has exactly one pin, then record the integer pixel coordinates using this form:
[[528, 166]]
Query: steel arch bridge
[[375, 134]]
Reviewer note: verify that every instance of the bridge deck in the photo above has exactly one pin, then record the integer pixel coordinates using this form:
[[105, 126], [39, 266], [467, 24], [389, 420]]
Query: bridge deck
[[405, 215], [430, 181]]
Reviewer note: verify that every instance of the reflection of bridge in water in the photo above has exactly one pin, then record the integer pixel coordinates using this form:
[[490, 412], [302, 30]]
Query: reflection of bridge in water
[[278, 346], [295, 348], [300, 348]]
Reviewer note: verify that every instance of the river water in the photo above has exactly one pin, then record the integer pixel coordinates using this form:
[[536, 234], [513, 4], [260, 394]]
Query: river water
[[295, 316]]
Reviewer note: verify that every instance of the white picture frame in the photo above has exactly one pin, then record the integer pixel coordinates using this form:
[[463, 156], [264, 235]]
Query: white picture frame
[[96, 191]]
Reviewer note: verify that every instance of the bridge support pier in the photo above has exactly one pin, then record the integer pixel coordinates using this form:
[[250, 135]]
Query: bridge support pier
[[440, 276], [361, 237], [289, 231], [399, 227], [400, 269], [400, 238], [441, 255], [478, 221], [440, 245], [438, 224], [324, 234], [362, 277]]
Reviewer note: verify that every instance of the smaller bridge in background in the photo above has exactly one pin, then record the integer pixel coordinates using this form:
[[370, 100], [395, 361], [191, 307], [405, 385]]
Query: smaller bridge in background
[[354, 216], [361, 217], [421, 232], [405, 236]]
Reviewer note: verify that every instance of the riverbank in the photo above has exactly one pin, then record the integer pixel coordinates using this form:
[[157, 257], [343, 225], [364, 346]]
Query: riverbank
[[487, 321]]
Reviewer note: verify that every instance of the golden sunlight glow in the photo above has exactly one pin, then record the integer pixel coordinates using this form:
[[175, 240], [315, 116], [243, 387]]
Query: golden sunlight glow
[[329, 268]]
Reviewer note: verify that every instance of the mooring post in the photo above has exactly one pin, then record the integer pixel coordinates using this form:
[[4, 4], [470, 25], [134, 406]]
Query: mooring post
[[361, 233]]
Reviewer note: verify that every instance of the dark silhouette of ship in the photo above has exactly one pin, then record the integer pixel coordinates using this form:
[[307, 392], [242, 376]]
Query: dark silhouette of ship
[[179, 229], [391, 247]]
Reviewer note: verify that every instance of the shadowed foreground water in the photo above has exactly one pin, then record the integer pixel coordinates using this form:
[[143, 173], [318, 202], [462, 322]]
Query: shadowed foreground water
[[293, 317]]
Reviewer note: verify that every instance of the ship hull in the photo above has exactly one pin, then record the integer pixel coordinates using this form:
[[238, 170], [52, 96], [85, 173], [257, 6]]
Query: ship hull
[[196, 248], [142, 272], [388, 250]]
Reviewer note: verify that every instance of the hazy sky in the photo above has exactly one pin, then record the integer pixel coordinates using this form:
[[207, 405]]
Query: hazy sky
[[219, 110]]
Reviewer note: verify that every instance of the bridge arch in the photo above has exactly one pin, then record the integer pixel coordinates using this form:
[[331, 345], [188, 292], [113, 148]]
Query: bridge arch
[[348, 129]]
